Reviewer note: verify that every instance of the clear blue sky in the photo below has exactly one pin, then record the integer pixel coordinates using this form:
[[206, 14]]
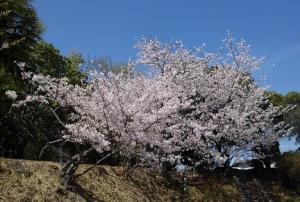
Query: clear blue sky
[[111, 27]]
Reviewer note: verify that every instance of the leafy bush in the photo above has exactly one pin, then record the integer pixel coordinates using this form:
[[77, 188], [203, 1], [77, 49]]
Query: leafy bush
[[290, 169]]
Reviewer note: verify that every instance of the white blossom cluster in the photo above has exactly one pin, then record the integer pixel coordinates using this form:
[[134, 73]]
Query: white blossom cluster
[[11, 94], [200, 102]]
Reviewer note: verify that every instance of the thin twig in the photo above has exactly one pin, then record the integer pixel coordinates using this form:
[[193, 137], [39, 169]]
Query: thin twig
[[58, 119], [49, 144]]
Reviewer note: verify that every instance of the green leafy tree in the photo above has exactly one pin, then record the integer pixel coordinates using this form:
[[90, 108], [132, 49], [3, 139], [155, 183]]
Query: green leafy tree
[[276, 98], [74, 72], [19, 31], [272, 154], [293, 117], [22, 135], [46, 59]]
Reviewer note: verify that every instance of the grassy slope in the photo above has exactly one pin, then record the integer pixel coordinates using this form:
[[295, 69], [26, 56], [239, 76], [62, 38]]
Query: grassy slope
[[22, 180]]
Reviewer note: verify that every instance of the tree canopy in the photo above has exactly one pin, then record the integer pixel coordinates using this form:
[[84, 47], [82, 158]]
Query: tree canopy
[[293, 116], [19, 31], [219, 114]]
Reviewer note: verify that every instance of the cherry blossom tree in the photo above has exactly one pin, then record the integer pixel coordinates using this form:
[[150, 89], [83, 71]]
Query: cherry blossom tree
[[124, 113], [195, 102], [229, 114]]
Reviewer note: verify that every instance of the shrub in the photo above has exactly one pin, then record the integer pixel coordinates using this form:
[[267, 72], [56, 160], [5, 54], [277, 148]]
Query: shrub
[[289, 166]]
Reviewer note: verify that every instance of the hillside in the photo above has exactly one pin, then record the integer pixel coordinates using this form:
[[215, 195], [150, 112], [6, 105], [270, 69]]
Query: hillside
[[23, 180]]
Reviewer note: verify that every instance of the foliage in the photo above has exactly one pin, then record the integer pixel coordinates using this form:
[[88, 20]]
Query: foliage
[[276, 98], [47, 60], [213, 191], [20, 29], [21, 47], [19, 32], [290, 168], [74, 73], [293, 116], [33, 128]]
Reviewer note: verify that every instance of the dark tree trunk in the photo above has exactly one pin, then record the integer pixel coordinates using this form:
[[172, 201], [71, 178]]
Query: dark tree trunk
[[70, 166]]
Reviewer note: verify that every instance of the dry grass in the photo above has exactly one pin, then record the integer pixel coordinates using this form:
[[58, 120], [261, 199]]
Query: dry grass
[[22, 180]]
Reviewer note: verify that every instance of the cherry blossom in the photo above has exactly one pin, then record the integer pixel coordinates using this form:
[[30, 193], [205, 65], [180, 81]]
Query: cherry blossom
[[199, 102], [11, 94]]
